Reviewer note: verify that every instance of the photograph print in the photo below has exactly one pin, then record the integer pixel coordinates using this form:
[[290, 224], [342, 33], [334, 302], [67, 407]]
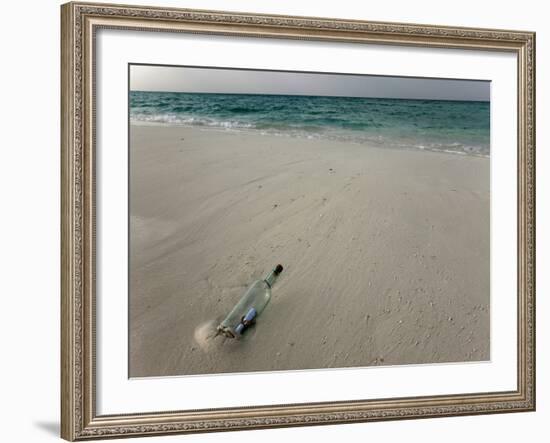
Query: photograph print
[[283, 221]]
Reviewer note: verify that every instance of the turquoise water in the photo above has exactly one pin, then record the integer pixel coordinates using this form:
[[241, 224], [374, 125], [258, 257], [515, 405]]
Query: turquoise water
[[452, 126]]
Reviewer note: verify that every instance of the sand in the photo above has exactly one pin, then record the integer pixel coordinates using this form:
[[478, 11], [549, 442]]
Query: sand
[[386, 252]]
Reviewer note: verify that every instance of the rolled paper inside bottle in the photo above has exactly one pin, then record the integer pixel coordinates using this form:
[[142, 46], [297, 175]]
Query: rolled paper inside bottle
[[250, 315]]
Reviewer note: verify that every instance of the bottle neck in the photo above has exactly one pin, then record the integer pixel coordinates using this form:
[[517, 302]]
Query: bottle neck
[[271, 278]]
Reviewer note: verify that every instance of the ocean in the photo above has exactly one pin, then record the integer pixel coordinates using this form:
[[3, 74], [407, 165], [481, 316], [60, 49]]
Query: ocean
[[459, 127]]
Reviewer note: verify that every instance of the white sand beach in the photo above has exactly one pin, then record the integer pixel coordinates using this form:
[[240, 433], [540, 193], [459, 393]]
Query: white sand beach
[[386, 252]]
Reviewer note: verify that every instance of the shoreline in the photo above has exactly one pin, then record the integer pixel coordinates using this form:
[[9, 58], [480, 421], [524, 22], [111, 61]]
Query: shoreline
[[258, 132], [386, 252]]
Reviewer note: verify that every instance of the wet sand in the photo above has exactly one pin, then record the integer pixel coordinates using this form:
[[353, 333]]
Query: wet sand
[[386, 252]]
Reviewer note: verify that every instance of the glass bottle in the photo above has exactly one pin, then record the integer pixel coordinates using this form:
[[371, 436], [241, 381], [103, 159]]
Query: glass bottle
[[250, 306]]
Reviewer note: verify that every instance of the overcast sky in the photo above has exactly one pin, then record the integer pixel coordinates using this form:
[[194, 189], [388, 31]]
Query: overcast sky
[[236, 81]]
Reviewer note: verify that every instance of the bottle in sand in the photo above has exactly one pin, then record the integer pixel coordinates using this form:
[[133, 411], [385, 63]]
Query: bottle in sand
[[250, 306]]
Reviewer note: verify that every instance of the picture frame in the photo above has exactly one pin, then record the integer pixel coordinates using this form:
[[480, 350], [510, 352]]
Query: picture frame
[[80, 177]]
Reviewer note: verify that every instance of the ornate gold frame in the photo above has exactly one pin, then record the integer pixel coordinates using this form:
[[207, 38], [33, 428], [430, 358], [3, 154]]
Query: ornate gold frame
[[79, 22]]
